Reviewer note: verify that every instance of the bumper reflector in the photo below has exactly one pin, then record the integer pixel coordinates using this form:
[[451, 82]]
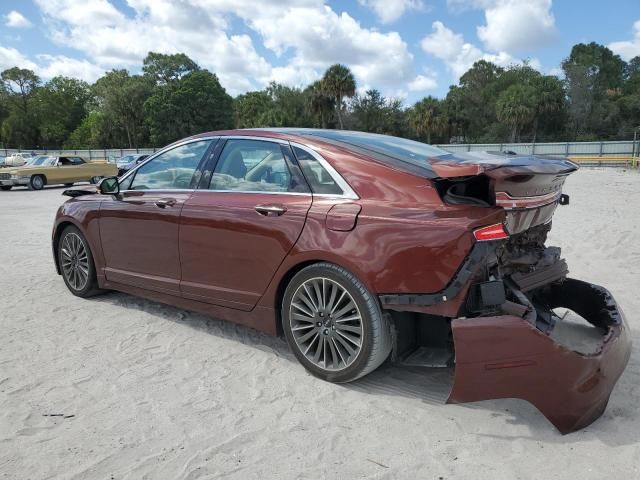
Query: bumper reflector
[[491, 232]]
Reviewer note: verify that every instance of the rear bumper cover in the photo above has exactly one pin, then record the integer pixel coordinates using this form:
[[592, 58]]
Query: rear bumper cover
[[507, 357]]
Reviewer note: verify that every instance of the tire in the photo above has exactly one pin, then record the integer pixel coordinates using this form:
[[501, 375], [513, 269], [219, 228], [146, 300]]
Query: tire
[[81, 282], [6, 188], [334, 323], [37, 182], [95, 180]]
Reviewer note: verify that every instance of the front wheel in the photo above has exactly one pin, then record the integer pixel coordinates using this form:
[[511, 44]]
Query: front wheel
[[333, 324], [37, 182], [76, 263], [6, 188]]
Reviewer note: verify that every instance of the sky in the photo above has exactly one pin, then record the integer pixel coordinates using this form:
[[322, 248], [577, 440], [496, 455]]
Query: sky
[[408, 49]]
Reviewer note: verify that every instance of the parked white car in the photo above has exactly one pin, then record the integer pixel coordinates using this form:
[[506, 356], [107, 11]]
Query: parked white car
[[17, 159]]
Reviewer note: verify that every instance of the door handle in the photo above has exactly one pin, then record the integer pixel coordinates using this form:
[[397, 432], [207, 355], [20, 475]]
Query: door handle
[[270, 210], [165, 202]]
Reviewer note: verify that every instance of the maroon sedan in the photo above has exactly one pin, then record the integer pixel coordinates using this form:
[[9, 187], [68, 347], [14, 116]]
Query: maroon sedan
[[359, 248]]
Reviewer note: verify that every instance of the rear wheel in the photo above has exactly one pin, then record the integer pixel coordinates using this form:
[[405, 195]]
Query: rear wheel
[[95, 180], [6, 188], [333, 324], [76, 263], [37, 182]]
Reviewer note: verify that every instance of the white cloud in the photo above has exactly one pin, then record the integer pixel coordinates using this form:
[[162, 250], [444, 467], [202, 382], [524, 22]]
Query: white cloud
[[16, 20], [458, 55], [630, 48], [512, 25], [50, 66], [307, 33], [423, 82], [389, 11], [10, 57]]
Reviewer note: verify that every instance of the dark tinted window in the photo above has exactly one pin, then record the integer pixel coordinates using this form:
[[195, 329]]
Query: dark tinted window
[[252, 166], [317, 176], [406, 150], [173, 169]]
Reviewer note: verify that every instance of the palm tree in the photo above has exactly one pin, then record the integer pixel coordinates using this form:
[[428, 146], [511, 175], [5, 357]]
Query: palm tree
[[515, 107], [426, 117], [319, 103], [339, 83]]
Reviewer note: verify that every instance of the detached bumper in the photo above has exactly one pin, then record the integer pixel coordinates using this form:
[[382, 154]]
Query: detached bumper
[[507, 357]]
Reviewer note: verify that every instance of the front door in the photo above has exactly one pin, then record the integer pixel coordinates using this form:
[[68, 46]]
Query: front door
[[236, 231], [139, 227]]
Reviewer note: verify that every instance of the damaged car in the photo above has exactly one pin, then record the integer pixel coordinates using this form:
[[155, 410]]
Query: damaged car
[[360, 248]]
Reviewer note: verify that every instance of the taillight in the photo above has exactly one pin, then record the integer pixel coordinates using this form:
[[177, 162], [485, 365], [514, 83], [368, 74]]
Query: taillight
[[491, 232]]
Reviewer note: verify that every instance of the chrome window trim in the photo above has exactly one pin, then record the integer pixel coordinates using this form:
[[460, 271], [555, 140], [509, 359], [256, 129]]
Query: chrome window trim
[[300, 194], [347, 191], [160, 190]]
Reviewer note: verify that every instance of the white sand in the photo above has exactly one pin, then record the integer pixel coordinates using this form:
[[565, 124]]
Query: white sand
[[157, 392]]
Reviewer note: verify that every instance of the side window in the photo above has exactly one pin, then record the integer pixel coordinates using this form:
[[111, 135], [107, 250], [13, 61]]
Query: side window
[[173, 169], [65, 161], [77, 161], [254, 166], [317, 176]]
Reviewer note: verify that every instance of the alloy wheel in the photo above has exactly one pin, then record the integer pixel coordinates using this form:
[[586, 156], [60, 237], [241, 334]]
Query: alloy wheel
[[326, 324], [75, 261]]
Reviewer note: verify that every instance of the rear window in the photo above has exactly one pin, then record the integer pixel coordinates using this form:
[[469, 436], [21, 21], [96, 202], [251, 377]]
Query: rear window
[[402, 149]]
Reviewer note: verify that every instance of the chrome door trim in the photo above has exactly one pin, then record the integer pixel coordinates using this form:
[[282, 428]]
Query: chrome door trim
[[347, 191]]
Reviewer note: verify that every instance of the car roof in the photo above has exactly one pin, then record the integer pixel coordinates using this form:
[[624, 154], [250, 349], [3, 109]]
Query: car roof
[[408, 155]]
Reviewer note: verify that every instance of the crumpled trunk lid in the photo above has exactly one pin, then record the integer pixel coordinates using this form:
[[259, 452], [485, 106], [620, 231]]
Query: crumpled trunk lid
[[527, 187]]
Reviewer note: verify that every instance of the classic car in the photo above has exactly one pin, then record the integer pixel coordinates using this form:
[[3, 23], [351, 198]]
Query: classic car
[[47, 170], [17, 159], [127, 162], [360, 248]]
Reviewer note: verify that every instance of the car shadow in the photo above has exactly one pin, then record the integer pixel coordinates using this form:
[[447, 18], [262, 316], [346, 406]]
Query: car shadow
[[618, 426]]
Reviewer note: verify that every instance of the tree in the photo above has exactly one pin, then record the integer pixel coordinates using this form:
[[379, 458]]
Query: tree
[[427, 117], [121, 98], [21, 83], [516, 107], [251, 109], [594, 77], [196, 103], [320, 104], [61, 105], [165, 69], [339, 83]]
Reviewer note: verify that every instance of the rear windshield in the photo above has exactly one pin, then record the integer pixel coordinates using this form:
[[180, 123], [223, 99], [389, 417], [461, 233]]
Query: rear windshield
[[408, 151]]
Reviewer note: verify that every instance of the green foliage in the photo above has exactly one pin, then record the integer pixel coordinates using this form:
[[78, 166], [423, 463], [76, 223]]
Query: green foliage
[[339, 83], [192, 104], [598, 99], [165, 69]]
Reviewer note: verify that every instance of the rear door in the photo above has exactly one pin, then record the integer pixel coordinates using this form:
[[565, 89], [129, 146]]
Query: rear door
[[139, 228], [237, 229]]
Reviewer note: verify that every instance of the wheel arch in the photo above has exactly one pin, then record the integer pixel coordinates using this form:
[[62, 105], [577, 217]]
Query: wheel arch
[[57, 233]]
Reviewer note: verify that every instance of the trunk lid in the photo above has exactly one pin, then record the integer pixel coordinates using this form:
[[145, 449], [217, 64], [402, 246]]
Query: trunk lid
[[527, 187]]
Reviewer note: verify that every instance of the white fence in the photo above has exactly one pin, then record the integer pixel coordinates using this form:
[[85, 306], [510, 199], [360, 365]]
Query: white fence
[[627, 148], [592, 149]]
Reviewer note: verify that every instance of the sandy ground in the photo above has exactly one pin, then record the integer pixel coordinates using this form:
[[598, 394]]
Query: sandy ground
[[149, 391]]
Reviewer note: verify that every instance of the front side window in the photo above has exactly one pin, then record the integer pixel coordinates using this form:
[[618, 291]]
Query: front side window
[[171, 170], [320, 181], [254, 166]]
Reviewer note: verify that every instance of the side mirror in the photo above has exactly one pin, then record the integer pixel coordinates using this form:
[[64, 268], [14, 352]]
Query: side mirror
[[109, 186]]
